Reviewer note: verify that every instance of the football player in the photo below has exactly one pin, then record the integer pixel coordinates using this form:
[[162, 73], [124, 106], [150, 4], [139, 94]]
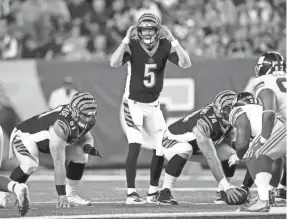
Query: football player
[[281, 190], [206, 130], [20, 189], [270, 144], [146, 55], [64, 133], [245, 117]]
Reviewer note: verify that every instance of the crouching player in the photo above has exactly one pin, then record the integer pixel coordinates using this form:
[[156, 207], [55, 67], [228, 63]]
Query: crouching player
[[203, 130], [7, 185], [50, 132]]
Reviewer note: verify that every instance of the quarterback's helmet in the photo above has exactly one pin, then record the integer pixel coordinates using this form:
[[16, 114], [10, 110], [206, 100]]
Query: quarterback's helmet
[[244, 98], [270, 62], [222, 104], [148, 21], [84, 108]]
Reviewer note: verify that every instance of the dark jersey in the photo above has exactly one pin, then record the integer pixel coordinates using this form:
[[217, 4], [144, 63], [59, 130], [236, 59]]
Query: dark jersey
[[205, 118], [146, 70], [61, 119]]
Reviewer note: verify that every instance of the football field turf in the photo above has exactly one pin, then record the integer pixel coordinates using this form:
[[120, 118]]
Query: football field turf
[[106, 189]]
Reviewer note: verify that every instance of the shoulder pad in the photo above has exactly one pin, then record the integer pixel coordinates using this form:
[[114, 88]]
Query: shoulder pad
[[234, 114], [62, 129]]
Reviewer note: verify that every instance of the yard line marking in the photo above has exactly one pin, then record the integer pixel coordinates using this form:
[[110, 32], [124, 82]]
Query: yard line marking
[[273, 211], [122, 202], [185, 189], [99, 178]]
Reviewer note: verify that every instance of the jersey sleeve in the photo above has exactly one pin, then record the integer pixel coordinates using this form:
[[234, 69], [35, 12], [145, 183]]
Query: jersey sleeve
[[127, 54], [258, 87], [172, 56], [204, 126], [62, 129], [234, 114]]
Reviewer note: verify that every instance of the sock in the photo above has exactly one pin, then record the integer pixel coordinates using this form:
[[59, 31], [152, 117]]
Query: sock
[[155, 171], [175, 165], [228, 171], [283, 179], [131, 190], [169, 181], [131, 164], [19, 176], [262, 182], [152, 189], [74, 173], [276, 172], [281, 186], [4, 184], [248, 181]]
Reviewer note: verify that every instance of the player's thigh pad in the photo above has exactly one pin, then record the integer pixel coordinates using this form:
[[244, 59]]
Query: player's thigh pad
[[275, 147], [27, 152], [224, 151], [133, 116], [154, 127], [75, 153], [173, 147]]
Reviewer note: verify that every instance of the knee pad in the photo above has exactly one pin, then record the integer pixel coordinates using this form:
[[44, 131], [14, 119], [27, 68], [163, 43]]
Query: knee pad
[[29, 167], [181, 148]]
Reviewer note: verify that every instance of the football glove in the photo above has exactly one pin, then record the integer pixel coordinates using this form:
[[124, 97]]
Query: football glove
[[88, 149], [233, 160]]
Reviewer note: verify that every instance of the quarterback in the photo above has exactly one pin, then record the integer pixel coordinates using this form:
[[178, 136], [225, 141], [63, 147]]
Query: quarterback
[[146, 55], [66, 126], [206, 130], [268, 126]]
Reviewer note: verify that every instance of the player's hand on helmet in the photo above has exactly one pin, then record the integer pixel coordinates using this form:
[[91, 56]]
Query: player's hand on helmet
[[233, 160], [130, 31], [88, 149], [233, 194], [166, 33], [63, 202]]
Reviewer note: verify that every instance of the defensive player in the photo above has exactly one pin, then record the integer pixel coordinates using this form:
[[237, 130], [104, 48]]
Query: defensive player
[[206, 130], [270, 143], [146, 55], [50, 132], [20, 189]]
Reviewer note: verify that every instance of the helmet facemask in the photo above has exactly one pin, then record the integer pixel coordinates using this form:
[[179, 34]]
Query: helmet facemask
[[148, 33]]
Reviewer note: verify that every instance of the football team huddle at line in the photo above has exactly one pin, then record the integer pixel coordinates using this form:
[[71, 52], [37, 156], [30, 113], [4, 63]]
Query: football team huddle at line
[[245, 126]]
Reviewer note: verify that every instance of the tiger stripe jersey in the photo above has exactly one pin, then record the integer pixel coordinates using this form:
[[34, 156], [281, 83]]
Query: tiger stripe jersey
[[277, 82], [60, 119], [205, 118]]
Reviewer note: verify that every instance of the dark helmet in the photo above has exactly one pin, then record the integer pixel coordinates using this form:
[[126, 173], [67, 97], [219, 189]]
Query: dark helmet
[[270, 62], [222, 104], [244, 98], [148, 21]]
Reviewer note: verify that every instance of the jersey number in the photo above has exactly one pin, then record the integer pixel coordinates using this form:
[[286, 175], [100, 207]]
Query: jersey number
[[149, 76], [281, 82]]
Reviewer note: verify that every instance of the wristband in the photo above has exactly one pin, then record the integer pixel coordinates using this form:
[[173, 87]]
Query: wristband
[[174, 43], [61, 190], [126, 40], [224, 184]]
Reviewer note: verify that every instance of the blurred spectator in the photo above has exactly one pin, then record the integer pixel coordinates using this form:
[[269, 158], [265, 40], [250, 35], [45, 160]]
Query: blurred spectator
[[76, 28], [64, 94]]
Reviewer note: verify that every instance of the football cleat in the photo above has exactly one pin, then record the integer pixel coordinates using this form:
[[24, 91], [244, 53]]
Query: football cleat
[[165, 198], [152, 198], [22, 192], [272, 200], [256, 206], [76, 200], [280, 195], [219, 198], [135, 199]]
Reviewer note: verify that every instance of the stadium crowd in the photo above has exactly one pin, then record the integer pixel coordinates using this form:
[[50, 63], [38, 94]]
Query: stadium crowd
[[92, 29]]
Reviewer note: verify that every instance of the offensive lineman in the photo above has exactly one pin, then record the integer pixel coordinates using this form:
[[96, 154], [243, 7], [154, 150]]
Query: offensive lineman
[[270, 144], [207, 130], [51, 132], [146, 55]]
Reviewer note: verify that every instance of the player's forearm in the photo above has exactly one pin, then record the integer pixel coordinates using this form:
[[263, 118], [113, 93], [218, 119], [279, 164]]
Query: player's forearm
[[268, 120], [117, 57], [215, 167], [183, 57], [60, 173]]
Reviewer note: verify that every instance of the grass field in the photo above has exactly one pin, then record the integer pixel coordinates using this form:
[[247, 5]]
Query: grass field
[[194, 191]]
